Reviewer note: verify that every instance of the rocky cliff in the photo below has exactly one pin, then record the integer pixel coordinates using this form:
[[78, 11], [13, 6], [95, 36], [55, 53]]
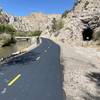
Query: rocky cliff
[[84, 15], [35, 21]]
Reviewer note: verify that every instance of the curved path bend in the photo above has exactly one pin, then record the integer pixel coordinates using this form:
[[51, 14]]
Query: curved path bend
[[40, 75]]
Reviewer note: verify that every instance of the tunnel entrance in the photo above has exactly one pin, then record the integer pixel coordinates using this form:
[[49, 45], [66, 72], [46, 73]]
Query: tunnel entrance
[[87, 34]]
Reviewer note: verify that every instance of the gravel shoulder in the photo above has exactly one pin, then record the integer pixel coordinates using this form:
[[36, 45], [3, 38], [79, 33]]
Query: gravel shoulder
[[81, 72]]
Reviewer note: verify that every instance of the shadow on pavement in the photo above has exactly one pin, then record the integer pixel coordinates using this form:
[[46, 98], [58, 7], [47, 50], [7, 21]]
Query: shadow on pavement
[[41, 80]]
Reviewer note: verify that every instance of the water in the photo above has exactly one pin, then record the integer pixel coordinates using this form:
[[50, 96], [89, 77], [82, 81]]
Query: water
[[6, 51]]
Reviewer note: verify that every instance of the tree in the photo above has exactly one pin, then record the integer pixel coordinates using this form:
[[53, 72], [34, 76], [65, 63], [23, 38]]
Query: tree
[[9, 31], [64, 15], [5, 28], [57, 24], [54, 22]]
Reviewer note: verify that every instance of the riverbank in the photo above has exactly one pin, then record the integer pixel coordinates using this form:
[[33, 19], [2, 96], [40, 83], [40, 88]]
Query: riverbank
[[22, 51]]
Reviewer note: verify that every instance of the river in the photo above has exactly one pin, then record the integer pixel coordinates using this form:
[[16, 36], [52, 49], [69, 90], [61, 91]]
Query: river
[[6, 51]]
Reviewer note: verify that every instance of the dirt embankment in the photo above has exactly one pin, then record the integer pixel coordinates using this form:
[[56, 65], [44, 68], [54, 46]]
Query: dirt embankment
[[81, 72]]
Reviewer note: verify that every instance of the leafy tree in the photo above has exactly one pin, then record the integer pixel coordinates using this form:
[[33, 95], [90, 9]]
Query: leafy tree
[[57, 24], [7, 34], [5, 28], [54, 22]]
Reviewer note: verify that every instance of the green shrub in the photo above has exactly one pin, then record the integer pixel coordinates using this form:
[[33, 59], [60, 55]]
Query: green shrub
[[5, 39], [2, 28], [60, 24], [35, 33], [29, 33], [7, 34], [5, 28], [57, 24], [10, 29]]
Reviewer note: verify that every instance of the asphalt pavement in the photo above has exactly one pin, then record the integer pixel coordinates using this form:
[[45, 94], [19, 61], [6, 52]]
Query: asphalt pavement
[[36, 75]]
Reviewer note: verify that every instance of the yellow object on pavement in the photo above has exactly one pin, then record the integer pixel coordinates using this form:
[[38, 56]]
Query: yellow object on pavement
[[14, 80]]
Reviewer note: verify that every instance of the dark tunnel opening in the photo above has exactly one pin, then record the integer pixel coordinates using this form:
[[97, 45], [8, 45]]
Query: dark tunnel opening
[[87, 34]]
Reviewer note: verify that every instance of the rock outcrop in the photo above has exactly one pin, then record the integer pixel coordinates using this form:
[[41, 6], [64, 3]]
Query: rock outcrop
[[85, 14], [35, 21]]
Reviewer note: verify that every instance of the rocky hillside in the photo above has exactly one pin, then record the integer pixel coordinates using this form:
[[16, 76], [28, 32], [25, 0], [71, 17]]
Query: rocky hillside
[[84, 15], [35, 21], [32, 22], [83, 18]]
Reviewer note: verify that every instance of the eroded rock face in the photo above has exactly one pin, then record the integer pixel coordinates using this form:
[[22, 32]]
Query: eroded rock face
[[4, 19], [85, 14], [88, 12], [35, 21]]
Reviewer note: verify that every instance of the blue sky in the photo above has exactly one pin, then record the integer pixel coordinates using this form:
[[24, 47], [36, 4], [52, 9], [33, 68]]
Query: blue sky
[[26, 7]]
